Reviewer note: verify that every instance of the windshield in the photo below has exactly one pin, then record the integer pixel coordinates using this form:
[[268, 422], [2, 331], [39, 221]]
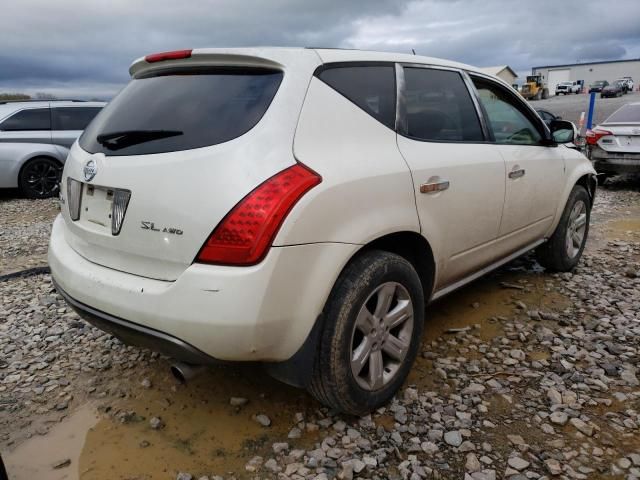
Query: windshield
[[630, 113], [182, 110], [598, 83]]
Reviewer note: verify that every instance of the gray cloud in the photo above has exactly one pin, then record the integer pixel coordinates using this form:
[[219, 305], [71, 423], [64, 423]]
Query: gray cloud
[[80, 48]]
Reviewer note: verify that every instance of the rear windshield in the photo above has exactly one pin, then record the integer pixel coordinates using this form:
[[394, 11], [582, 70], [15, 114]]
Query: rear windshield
[[627, 114], [181, 111]]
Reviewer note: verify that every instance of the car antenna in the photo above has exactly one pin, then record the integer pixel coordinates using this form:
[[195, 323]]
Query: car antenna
[[414, 52]]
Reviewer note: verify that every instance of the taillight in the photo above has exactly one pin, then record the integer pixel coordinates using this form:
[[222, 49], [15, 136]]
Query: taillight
[[592, 136], [245, 235], [174, 55], [74, 198]]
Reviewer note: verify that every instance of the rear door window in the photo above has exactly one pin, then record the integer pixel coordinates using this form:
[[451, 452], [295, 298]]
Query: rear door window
[[25, 120], [439, 106], [370, 87], [182, 110], [72, 118]]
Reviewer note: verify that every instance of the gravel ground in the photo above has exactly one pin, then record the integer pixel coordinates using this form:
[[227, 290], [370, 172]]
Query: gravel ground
[[25, 226], [533, 393]]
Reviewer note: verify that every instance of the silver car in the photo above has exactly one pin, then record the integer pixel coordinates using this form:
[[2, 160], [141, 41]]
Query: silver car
[[614, 145], [35, 137]]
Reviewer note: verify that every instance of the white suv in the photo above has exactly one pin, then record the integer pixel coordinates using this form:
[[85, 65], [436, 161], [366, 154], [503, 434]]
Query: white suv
[[300, 207]]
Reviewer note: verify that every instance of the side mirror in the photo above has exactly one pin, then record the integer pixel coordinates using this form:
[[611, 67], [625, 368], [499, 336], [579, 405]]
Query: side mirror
[[562, 131]]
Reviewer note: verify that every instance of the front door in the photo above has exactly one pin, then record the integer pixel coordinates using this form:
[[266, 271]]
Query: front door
[[458, 177], [534, 171]]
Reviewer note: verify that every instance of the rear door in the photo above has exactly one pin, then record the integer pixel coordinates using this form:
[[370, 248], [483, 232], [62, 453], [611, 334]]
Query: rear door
[[67, 123], [458, 177], [535, 173], [29, 125]]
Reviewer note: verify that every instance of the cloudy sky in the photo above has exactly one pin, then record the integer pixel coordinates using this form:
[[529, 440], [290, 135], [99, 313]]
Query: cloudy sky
[[83, 48]]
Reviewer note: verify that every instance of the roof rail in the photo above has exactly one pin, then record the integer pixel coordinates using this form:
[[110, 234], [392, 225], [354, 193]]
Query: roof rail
[[4, 102]]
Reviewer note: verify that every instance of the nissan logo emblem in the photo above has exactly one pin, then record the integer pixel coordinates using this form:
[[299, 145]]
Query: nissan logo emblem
[[90, 170]]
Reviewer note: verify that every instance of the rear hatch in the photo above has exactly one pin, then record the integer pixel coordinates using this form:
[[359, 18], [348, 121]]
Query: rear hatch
[[178, 147]]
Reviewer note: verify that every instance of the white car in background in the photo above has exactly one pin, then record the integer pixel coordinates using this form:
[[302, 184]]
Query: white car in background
[[614, 145], [568, 88], [627, 83], [300, 208]]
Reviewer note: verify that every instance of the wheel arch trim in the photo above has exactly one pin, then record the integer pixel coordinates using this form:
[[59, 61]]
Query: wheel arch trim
[[296, 370]]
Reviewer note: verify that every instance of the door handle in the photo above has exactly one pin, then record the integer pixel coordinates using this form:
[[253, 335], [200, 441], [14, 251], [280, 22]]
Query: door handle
[[517, 173], [434, 187]]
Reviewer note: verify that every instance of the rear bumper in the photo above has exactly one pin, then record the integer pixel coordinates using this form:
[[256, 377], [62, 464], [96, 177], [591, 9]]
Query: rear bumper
[[134, 334], [605, 162], [259, 313]]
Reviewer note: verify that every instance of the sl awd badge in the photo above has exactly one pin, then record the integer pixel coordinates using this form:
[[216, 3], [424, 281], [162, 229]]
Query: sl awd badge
[[90, 170], [152, 227]]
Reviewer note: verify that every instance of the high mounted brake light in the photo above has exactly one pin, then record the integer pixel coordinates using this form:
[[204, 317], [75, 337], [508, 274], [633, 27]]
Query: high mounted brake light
[[174, 55], [245, 235], [592, 136]]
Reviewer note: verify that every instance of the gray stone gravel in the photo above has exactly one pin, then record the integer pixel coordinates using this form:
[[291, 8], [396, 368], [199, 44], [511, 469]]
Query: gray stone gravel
[[51, 360], [25, 226], [554, 395]]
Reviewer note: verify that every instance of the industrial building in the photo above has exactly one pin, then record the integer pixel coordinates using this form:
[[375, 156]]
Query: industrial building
[[505, 72], [589, 72]]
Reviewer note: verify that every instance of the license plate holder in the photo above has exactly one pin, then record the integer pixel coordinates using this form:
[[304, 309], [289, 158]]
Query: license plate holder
[[97, 206]]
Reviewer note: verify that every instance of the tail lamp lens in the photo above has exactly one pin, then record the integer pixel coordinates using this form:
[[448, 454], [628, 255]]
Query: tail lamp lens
[[174, 55], [244, 236], [118, 209], [592, 136], [74, 196]]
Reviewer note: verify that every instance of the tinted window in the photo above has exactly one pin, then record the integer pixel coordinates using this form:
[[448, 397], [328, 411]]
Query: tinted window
[[628, 113], [32, 119], [72, 118], [509, 123], [181, 111], [547, 117], [439, 106], [372, 88]]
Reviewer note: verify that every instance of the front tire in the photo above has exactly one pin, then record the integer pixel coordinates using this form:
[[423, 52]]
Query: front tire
[[562, 252], [373, 323], [40, 178]]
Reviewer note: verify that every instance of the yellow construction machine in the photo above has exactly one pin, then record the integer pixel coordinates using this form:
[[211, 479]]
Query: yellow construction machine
[[535, 88]]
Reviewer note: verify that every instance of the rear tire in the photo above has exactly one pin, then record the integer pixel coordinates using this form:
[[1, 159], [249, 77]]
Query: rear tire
[[373, 323], [562, 252], [40, 178]]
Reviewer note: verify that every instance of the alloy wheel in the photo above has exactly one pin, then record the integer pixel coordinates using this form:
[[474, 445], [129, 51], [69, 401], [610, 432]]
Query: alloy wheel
[[42, 178], [576, 228], [381, 336]]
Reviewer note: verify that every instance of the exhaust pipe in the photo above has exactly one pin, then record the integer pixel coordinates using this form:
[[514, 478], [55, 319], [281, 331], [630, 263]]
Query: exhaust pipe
[[183, 372]]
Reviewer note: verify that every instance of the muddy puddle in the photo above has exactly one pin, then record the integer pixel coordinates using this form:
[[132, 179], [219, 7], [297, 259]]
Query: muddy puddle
[[56, 455], [204, 435]]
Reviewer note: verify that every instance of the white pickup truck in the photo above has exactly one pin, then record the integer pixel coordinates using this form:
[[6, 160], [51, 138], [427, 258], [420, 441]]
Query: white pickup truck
[[568, 88]]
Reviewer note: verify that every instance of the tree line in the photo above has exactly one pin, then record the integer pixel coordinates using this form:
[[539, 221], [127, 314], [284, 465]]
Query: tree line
[[24, 96]]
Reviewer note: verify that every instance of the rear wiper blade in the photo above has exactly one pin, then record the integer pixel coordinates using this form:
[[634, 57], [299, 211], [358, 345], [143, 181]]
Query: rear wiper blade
[[126, 138]]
